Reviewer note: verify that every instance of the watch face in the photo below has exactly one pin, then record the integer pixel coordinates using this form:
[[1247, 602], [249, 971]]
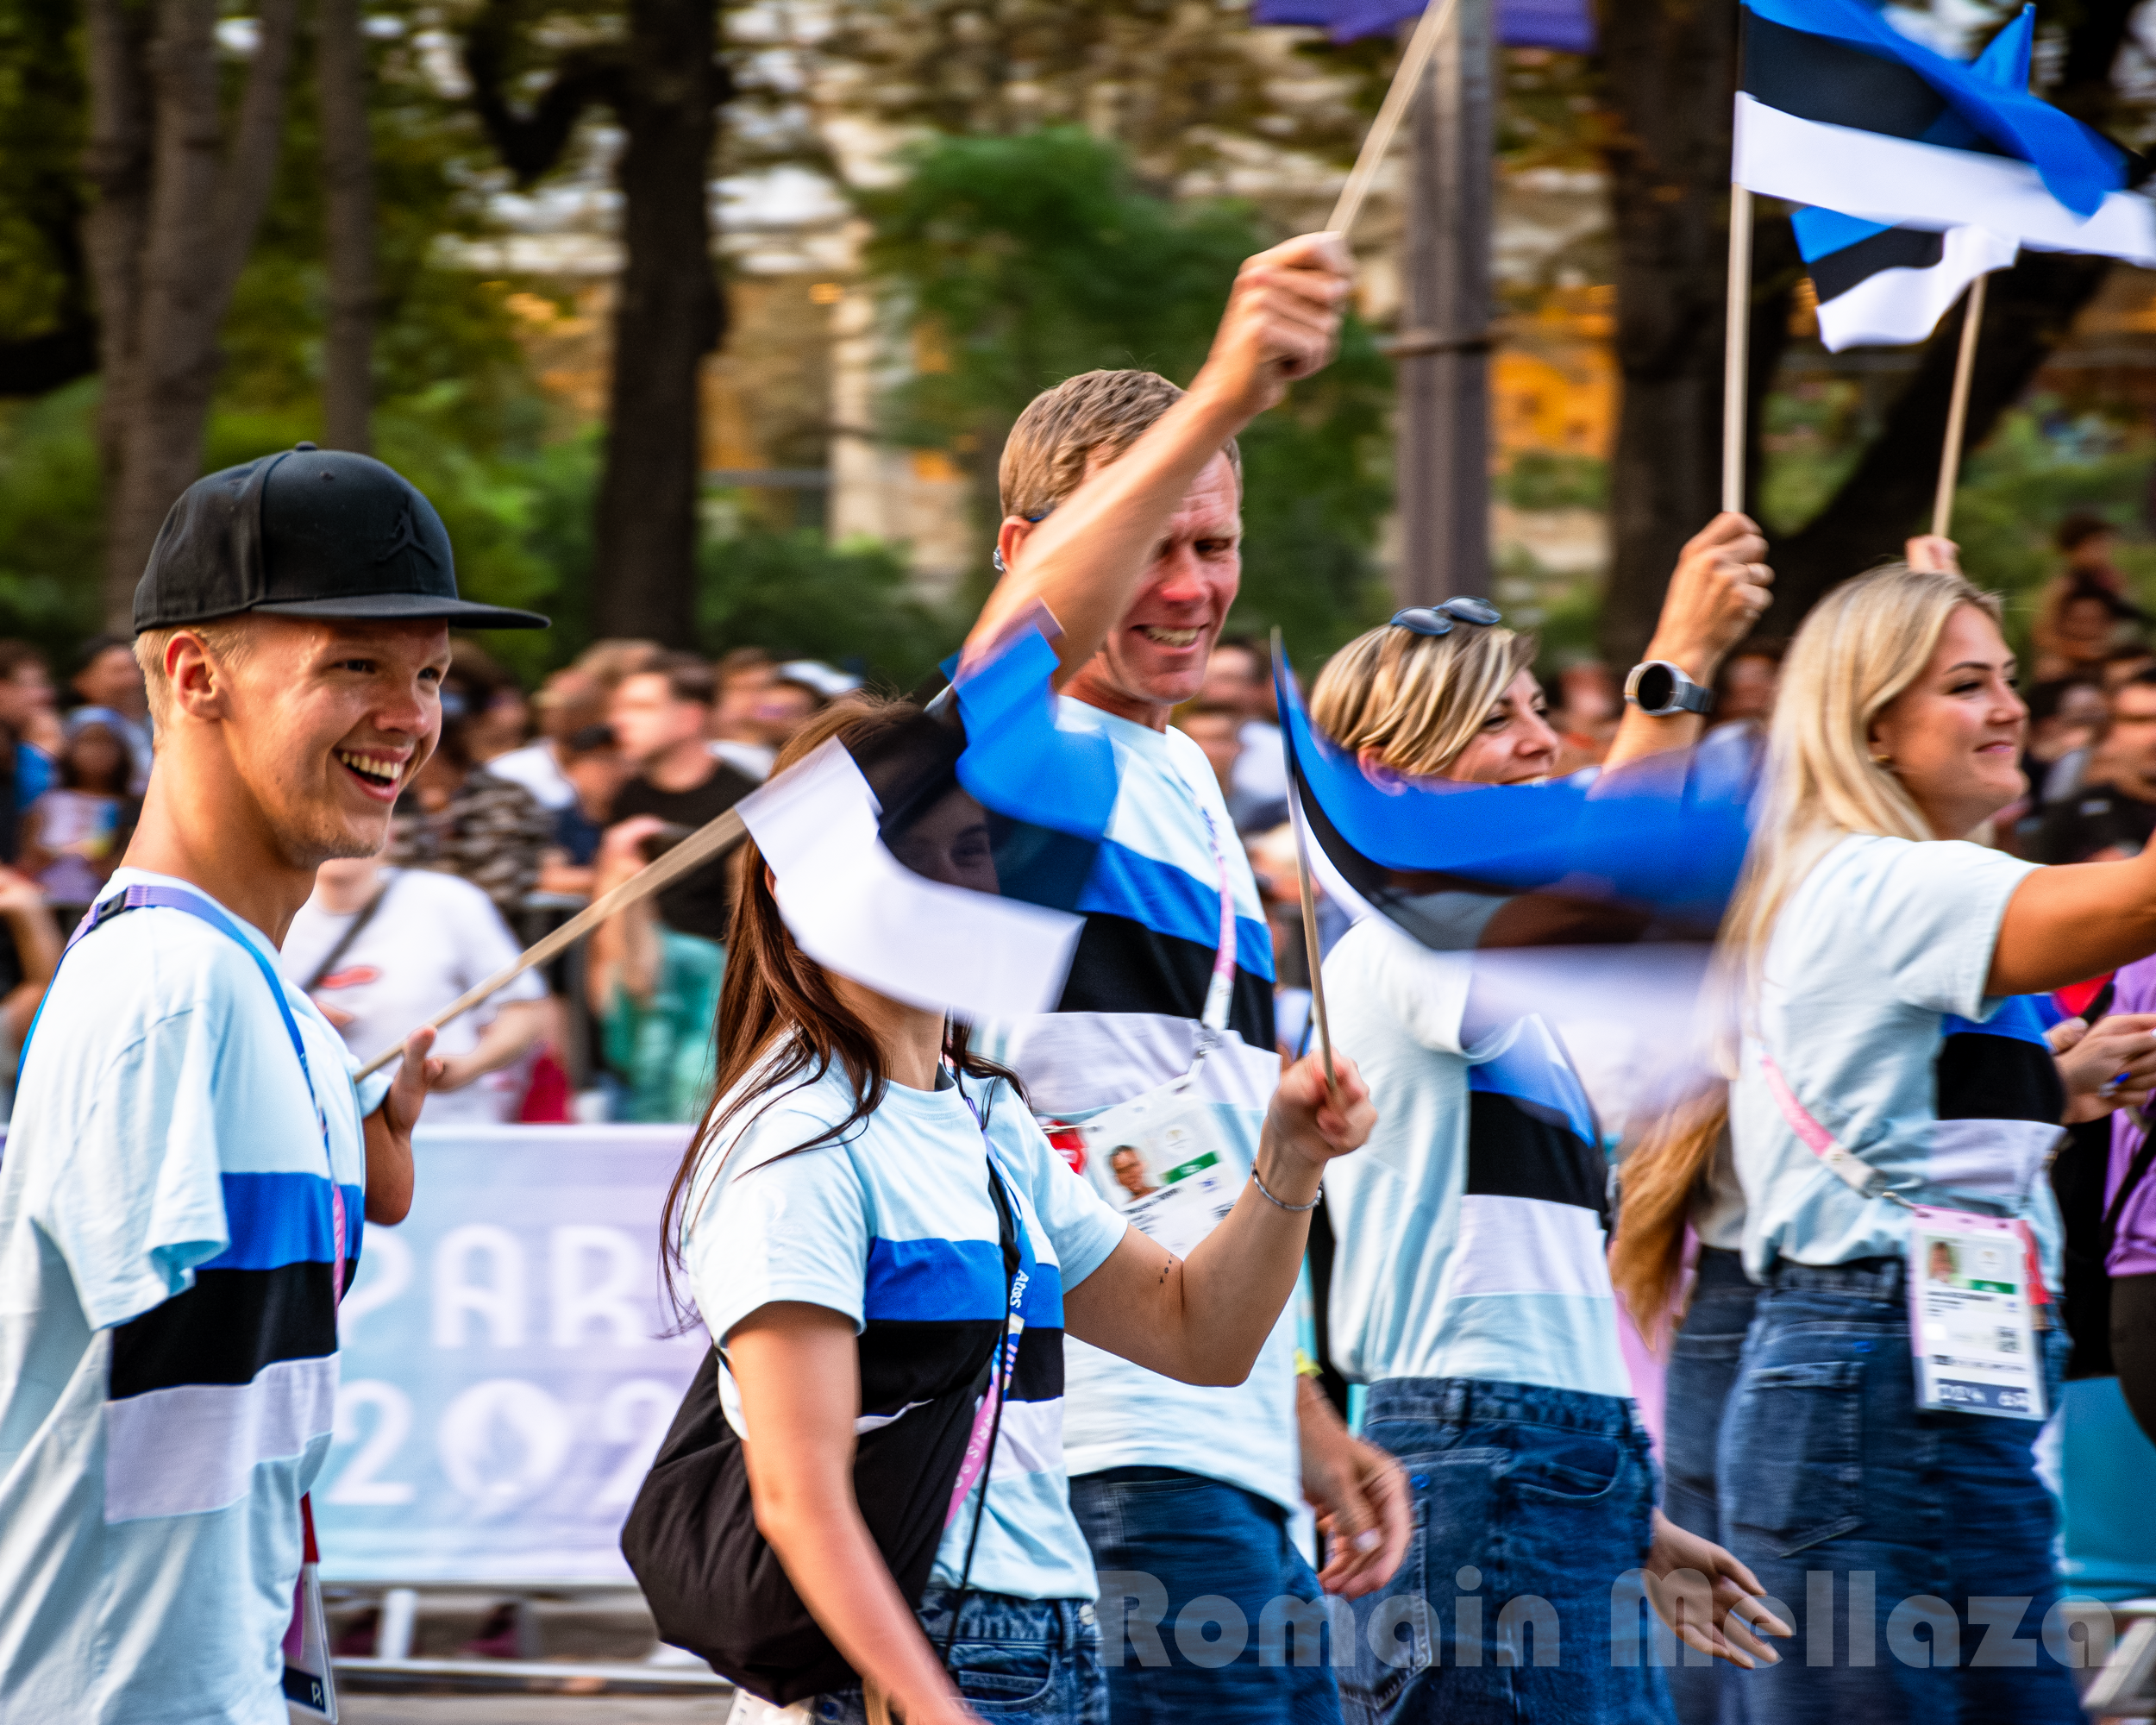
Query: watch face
[[1657, 689]]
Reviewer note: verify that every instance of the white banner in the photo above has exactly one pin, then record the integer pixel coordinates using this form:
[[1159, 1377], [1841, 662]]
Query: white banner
[[506, 1375]]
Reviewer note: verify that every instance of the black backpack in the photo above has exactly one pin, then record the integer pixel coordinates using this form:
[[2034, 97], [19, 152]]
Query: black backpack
[[715, 1586]]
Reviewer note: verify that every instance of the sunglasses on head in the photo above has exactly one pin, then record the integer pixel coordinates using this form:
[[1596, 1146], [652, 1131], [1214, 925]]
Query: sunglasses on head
[[1438, 620]]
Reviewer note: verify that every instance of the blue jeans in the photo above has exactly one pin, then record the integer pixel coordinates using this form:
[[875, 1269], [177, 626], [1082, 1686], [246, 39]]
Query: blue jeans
[[1912, 1551], [1208, 1610], [1035, 1660], [1532, 1513], [1702, 1372]]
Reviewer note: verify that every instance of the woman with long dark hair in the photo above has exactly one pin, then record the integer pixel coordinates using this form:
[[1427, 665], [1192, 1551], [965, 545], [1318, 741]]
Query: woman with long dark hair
[[839, 1220]]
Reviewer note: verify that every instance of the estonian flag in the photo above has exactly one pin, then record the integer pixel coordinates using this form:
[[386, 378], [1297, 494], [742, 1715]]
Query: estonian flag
[[1649, 853], [940, 858], [1839, 109], [1885, 286]]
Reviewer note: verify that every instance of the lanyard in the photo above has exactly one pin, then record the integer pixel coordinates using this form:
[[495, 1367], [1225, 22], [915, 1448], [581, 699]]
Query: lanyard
[[1221, 991], [145, 895]]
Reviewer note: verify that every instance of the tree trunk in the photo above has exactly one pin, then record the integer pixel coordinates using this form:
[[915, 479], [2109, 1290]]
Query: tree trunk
[[347, 176], [1667, 69], [202, 214], [668, 315], [117, 164]]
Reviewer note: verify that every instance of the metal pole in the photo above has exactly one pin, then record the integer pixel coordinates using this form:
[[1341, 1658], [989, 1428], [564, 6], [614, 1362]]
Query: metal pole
[[1442, 350]]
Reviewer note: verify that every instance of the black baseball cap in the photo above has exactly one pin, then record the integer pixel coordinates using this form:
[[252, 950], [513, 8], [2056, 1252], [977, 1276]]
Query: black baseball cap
[[308, 532]]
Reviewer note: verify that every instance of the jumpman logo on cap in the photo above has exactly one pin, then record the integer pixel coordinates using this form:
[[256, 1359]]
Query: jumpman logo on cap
[[404, 536]]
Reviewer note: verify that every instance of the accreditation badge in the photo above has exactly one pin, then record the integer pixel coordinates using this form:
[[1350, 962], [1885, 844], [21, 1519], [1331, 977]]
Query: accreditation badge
[[1974, 1290], [1163, 1162], [310, 1685]]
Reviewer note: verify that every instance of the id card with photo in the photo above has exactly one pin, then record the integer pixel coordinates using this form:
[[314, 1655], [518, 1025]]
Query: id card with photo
[[1163, 1162], [1972, 1323]]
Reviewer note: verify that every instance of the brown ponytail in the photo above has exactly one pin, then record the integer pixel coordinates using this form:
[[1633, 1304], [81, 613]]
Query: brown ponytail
[[1656, 1182]]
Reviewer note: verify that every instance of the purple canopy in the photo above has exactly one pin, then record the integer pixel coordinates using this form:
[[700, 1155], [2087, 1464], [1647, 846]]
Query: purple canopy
[[1567, 24]]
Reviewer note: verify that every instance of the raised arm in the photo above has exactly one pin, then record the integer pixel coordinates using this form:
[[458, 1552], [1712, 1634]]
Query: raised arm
[[1204, 1320], [1715, 595], [1083, 561], [2067, 924]]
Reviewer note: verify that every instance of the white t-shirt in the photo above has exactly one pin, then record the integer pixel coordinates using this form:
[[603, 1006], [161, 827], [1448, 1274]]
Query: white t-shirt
[[1471, 1227], [1881, 943], [538, 769], [431, 937], [753, 759], [1127, 1024], [1261, 770], [168, 1362], [895, 1228]]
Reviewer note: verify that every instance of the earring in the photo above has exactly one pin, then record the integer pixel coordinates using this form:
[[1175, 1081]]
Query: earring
[[1883, 760]]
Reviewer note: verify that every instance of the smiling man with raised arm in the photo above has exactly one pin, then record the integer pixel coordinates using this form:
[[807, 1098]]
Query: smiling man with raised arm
[[189, 1160], [1122, 502]]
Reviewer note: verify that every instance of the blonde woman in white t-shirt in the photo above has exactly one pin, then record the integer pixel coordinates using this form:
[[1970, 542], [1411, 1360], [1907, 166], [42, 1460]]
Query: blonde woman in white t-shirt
[[1470, 1291], [1919, 1541]]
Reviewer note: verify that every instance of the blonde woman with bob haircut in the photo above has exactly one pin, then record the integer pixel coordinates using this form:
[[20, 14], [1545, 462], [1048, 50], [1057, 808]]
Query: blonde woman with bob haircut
[[1869, 946], [1470, 1290]]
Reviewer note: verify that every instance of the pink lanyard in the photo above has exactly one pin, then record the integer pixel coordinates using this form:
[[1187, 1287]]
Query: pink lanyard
[[1222, 989]]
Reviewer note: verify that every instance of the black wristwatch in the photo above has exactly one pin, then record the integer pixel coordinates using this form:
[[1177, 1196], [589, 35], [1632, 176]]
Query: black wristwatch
[[1661, 690]]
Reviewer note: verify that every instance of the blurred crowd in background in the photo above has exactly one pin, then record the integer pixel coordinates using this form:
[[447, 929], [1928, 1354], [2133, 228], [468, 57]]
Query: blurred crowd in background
[[537, 801]]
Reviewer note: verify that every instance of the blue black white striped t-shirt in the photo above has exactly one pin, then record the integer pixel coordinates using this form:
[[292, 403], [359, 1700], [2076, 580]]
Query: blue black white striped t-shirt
[[1472, 1228], [168, 1333], [1128, 1022], [894, 1227]]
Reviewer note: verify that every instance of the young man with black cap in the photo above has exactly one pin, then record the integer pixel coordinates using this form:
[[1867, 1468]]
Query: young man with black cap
[[181, 1197]]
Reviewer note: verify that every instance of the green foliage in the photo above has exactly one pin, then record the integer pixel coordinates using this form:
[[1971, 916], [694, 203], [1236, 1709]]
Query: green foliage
[[794, 595], [2036, 467], [1026, 259], [1541, 479], [43, 114], [51, 535]]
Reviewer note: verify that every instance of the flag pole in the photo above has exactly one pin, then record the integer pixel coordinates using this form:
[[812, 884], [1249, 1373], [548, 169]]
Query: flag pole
[[705, 844], [1309, 895], [1957, 410], [1310, 940], [1400, 95], [1736, 348]]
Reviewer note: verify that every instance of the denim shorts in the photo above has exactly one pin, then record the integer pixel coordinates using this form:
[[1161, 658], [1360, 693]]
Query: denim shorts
[[1035, 1659], [1533, 1515], [1702, 1372], [1208, 1613], [1912, 1551]]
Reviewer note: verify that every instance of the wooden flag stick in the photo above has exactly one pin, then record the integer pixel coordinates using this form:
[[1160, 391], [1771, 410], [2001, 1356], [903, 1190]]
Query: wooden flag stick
[[1308, 891], [1399, 97], [711, 841], [1309, 942], [1957, 410], [1736, 348]]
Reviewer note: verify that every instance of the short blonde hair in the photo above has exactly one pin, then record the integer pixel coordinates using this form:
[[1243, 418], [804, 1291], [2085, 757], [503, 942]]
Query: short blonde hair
[[1063, 429], [1417, 700], [228, 639]]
